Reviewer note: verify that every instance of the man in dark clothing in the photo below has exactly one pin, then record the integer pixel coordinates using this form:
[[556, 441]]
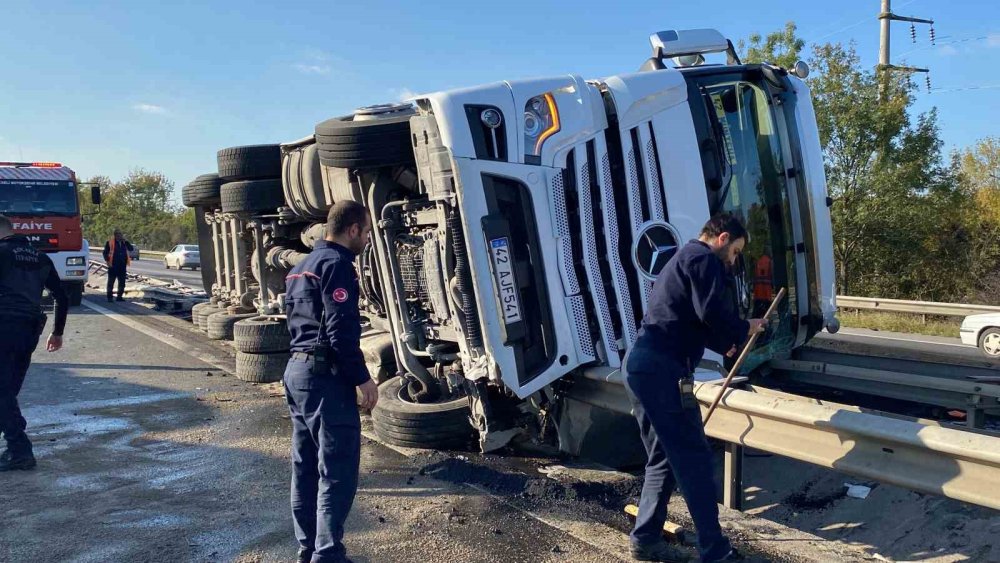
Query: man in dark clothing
[[24, 272], [118, 256], [325, 368], [688, 309]]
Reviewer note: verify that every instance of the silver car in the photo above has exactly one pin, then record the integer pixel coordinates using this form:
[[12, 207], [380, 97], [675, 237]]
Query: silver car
[[183, 256]]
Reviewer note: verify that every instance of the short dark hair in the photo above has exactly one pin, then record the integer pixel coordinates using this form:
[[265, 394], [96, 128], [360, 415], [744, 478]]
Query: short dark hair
[[725, 223], [6, 224], [343, 215]]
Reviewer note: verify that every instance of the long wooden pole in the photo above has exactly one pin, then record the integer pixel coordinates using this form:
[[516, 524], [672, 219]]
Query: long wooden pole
[[743, 356]]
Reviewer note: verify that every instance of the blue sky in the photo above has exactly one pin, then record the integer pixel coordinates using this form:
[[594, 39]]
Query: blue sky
[[107, 86]]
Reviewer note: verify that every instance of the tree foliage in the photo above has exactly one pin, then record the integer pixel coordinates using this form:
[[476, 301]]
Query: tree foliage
[[978, 171], [781, 48], [140, 206], [907, 224]]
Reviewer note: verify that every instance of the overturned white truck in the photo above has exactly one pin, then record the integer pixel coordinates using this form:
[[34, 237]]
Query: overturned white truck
[[518, 228]]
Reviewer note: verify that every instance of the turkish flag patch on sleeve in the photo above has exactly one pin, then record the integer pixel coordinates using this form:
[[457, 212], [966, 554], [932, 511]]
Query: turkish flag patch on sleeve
[[340, 295]]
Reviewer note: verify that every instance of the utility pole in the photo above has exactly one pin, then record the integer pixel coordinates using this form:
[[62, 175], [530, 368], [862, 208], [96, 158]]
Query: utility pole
[[883, 45], [886, 17]]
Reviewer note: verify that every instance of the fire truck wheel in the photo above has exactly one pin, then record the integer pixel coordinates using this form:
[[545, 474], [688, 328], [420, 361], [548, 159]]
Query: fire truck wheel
[[220, 325], [203, 190], [251, 162], [261, 368], [401, 422], [75, 293], [252, 196], [345, 142]]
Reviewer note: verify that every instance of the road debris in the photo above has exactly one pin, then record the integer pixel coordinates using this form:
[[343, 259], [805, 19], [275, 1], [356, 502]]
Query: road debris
[[857, 491]]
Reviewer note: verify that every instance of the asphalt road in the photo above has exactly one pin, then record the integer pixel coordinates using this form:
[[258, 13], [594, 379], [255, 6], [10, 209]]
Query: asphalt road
[[159, 456], [154, 268], [905, 346], [162, 456]]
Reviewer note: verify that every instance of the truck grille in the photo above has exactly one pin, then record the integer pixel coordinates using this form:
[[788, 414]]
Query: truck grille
[[601, 226]]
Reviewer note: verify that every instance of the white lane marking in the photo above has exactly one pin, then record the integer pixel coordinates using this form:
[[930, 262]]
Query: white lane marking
[[913, 340], [156, 334]]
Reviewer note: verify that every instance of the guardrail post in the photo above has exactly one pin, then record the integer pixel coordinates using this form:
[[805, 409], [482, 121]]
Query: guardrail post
[[975, 417], [732, 480]]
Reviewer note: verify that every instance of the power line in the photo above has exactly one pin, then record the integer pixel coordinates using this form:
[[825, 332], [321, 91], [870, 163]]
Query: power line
[[964, 88], [855, 24], [955, 42]]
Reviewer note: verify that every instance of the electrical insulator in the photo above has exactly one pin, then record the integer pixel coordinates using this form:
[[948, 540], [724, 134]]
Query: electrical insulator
[[928, 79], [913, 33], [933, 39]]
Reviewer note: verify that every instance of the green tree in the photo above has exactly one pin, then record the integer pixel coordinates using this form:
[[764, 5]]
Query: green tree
[[140, 206], [978, 169], [895, 202], [903, 221], [780, 48]]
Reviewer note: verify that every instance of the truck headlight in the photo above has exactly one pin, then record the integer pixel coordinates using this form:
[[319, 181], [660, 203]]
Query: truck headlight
[[74, 261], [541, 121]]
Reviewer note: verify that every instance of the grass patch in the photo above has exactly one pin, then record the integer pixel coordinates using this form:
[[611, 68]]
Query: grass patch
[[901, 322]]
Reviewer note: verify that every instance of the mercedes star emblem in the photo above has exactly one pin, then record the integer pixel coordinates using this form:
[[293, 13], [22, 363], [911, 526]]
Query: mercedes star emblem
[[655, 245]]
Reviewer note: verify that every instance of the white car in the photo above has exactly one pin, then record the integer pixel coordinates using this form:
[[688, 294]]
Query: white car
[[982, 331], [183, 256]]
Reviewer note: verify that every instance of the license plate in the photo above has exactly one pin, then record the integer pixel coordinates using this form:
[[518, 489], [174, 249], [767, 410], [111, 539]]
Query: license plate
[[503, 271]]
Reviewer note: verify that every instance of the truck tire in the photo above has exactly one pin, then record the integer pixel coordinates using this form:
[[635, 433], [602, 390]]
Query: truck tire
[[344, 142], [400, 422], [220, 325], [250, 162], [203, 315], [197, 311], [75, 293], [203, 190], [302, 179], [261, 335], [252, 196], [261, 368]]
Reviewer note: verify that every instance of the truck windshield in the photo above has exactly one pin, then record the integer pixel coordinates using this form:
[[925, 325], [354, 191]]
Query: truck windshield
[[737, 116], [21, 198]]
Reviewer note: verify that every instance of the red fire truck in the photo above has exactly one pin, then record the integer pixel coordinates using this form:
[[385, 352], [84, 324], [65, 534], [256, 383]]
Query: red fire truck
[[40, 199]]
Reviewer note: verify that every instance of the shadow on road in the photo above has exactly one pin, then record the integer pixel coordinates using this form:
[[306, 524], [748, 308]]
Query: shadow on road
[[130, 367]]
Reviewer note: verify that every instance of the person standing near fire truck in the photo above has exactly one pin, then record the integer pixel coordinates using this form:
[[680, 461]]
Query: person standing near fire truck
[[118, 256]]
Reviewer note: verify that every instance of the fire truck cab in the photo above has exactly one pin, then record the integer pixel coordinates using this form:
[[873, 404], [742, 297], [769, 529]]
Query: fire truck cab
[[40, 199]]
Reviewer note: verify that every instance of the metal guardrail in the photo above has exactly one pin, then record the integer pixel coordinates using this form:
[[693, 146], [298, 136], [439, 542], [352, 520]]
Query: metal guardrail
[[142, 253], [976, 390], [929, 459], [916, 455], [914, 307]]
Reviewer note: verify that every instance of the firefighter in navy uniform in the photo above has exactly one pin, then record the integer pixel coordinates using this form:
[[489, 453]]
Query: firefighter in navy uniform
[[326, 367], [688, 309], [24, 272]]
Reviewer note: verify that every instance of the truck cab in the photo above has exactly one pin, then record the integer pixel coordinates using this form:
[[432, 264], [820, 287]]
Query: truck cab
[[40, 199], [546, 208]]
